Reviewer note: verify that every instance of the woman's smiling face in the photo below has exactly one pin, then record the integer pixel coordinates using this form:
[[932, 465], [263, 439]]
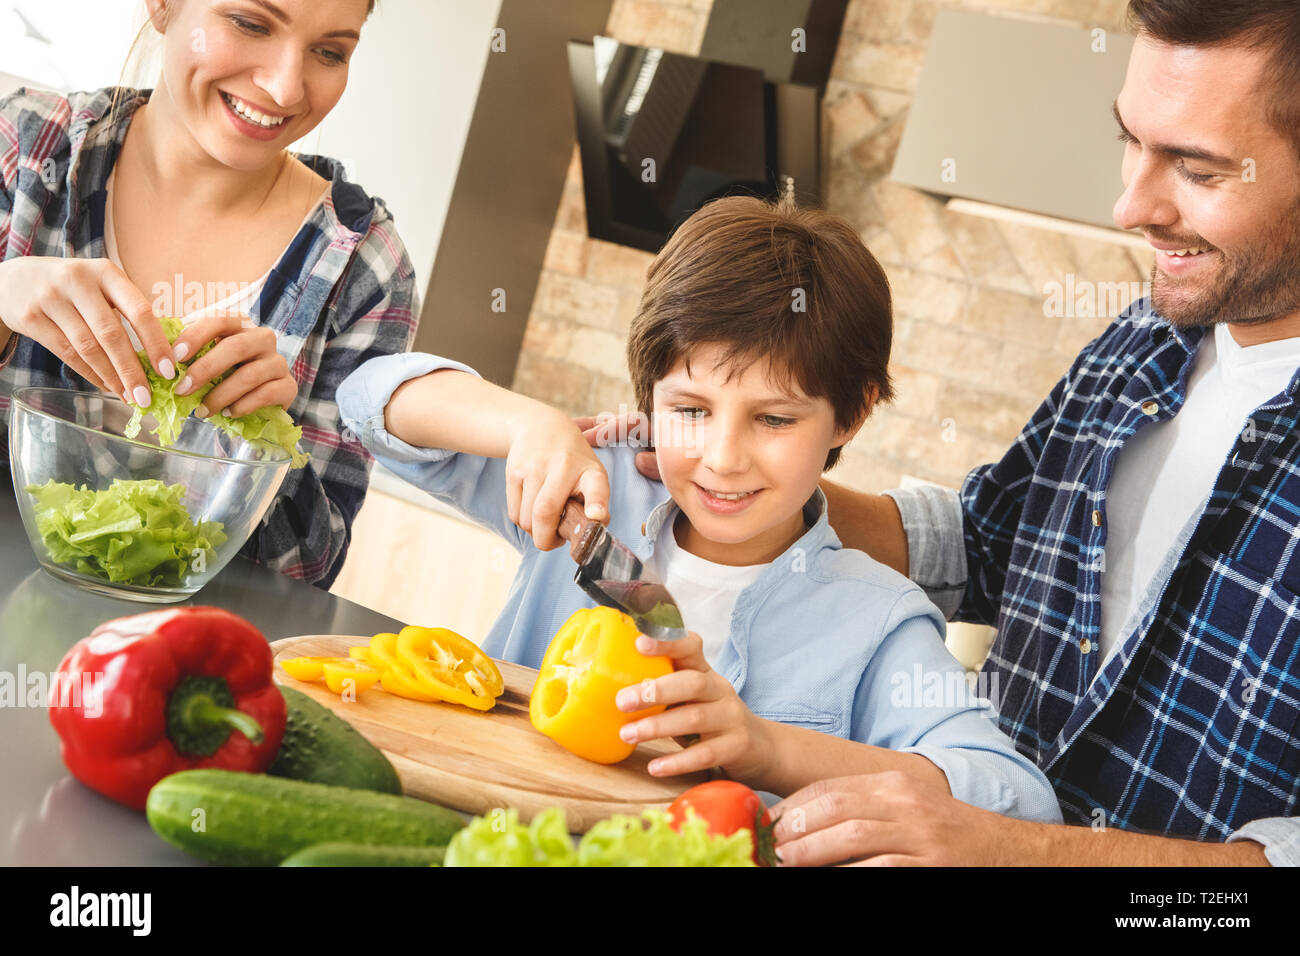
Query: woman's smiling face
[[740, 455], [248, 77]]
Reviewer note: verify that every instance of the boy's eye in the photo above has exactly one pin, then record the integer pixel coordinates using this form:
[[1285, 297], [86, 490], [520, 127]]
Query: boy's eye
[[775, 421], [689, 411]]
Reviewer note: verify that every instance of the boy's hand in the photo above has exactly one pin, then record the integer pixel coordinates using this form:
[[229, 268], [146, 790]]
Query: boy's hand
[[550, 462], [701, 701]]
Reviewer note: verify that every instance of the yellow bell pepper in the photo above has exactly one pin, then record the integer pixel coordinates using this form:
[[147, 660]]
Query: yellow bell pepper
[[449, 667], [591, 658], [400, 682], [382, 651], [338, 672], [306, 668]]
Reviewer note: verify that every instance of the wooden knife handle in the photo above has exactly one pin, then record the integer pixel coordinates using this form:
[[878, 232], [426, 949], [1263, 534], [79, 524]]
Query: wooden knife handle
[[571, 520]]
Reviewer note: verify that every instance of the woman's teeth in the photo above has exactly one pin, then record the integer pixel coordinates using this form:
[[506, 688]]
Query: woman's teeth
[[252, 115]]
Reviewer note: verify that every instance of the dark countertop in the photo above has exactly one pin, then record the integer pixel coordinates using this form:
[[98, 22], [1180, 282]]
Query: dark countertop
[[47, 817]]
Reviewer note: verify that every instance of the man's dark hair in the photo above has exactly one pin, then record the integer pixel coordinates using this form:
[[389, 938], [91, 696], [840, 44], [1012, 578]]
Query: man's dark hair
[[1272, 24], [769, 281]]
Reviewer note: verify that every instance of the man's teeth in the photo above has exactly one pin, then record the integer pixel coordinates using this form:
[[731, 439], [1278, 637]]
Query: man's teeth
[[1194, 251], [731, 497], [252, 115]]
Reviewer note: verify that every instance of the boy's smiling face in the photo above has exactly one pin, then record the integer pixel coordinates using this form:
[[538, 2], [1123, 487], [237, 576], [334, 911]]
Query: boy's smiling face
[[741, 452]]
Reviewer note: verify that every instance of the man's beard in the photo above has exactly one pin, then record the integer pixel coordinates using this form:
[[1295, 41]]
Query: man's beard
[[1256, 286]]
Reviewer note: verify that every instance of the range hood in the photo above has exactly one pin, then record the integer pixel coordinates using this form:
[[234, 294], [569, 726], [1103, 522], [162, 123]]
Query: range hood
[[1013, 117]]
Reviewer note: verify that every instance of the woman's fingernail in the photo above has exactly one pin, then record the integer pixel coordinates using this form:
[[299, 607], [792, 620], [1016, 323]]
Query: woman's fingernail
[[628, 733], [126, 397], [654, 766], [226, 411], [180, 352], [625, 699], [166, 369], [201, 411], [142, 397], [184, 387], [644, 644]]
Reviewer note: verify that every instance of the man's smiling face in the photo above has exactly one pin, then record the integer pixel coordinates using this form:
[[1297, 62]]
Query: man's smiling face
[[1208, 176]]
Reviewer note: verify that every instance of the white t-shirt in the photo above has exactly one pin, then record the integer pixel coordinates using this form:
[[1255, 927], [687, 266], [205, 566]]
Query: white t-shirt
[[705, 592], [238, 302], [1164, 474]]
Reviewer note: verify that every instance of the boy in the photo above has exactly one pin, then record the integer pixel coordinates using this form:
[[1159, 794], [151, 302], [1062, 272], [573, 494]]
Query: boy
[[760, 346]]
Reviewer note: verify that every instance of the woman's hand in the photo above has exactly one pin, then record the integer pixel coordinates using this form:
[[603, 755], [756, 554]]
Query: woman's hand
[[550, 462], [68, 306], [260, 378], [702, 703]]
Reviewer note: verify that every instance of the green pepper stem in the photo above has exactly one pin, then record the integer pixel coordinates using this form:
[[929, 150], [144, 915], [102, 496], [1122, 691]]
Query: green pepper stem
[[201, 712]]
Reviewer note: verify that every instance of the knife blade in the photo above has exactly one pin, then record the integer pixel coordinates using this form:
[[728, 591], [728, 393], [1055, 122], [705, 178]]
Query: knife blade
[[611, 574]]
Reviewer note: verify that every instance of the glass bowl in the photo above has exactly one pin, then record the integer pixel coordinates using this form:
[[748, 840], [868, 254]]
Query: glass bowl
[[135, 542]]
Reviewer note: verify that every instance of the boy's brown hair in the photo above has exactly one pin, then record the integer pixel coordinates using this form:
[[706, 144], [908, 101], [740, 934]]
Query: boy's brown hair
[[769, 281]]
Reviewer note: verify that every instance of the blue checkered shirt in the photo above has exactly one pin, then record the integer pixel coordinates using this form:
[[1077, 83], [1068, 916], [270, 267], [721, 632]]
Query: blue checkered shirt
[[1189, 728], [341, 293]]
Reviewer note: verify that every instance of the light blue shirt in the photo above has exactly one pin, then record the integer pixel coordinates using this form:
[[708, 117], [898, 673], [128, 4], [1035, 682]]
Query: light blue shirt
[[825, 638]]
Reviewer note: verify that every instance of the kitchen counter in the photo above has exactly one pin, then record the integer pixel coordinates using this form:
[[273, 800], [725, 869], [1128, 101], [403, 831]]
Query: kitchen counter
[[47, 817]]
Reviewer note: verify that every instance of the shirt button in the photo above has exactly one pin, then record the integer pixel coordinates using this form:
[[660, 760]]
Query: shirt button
[[1150, 408], [1085, 646], [643, 529], [1096, 517]]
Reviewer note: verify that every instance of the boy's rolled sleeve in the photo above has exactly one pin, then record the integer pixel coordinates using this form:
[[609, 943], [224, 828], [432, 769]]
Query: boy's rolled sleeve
[[474, 485], [936, 544], [914, 698]]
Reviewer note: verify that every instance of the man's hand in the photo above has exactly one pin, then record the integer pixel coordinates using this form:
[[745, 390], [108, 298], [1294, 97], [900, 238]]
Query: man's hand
[[701, 702], [888, 819], [599, 431]]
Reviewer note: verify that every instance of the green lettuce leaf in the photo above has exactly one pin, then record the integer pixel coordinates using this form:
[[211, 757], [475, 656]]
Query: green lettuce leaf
[[266, 428], [499, 839], [133, 532]]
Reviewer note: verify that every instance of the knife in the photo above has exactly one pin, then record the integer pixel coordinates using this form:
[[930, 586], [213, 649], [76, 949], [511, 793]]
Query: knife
[[611, 573]]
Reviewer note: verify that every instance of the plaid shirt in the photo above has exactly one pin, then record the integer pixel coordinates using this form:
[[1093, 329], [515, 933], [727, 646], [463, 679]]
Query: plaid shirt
[[1189, 728], [341, 293]]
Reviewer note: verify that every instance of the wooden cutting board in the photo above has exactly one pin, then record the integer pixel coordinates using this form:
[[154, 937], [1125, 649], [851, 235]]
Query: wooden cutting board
[[473, 761]]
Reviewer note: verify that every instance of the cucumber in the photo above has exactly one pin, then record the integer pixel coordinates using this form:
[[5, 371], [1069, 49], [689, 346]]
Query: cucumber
[[251, 819], [358, 854], [320, 747]]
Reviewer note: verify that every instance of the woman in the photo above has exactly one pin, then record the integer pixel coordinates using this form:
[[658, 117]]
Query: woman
[[189, 187]]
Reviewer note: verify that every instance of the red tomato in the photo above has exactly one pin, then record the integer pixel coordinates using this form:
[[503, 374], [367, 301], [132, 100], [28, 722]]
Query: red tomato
[[726, 806]]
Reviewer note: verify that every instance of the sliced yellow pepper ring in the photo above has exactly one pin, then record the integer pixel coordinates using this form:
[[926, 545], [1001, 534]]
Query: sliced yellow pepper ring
[[341, 671], [399, 680], [359, 654], [383, 650], [306, 668], [450, 667]]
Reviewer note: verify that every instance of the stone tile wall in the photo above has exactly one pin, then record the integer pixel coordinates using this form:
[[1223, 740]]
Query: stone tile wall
[[974, 352]]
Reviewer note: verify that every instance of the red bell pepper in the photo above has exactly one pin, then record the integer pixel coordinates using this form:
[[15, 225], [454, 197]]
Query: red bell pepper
[[174, 690]]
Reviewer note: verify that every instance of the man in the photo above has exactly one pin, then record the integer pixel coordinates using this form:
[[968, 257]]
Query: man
[[1137, 546]]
